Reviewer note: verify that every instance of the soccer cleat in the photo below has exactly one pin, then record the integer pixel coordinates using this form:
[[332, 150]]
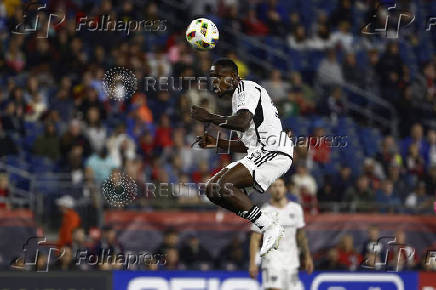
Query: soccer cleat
[[271, 237]]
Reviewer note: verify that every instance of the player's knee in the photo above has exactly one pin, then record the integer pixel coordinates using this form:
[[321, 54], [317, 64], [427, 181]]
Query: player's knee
[[212, 191], [224, 187]]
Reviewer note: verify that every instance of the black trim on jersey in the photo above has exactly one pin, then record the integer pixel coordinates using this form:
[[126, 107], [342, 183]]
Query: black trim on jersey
[[258, 116], [279, 152], [256, 185]]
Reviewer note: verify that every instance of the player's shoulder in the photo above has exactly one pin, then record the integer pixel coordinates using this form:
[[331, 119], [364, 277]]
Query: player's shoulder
[[246, 85]]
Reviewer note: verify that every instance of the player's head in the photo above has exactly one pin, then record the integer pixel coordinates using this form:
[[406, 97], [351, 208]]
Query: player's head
[[225, 78], [278, 190]]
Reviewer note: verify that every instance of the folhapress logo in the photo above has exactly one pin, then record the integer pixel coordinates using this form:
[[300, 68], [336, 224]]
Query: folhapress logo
[[387, 19], [31, 20]]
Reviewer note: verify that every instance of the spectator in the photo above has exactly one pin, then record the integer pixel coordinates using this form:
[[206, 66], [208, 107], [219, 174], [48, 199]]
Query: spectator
[[121, 147], [343, 38], [329, 71], [172, 259], [360, 196], [401, 255], [48, 144], [163, 138], [70, 220], [351, 70], [322, 39], [4, 191], [108, 242], [348, 256], [374, 172], [424, 85], [331, 262], [194, 256], [415, 163], [388, 155], [343, 12], [95, 131], [418, 201], [12, 119], [398, 180], [390, 70], [170, 240], [298, 40], [74, 136], [335, 106], [102, 165], [416, 137], [275, 86], [305, 187], [319, 147], [253, 26], [232, 256], [65, 262], [387, 199], [430, 181], [431, 155], [342, 181], [7, 145], [143, 112], [372, 246]]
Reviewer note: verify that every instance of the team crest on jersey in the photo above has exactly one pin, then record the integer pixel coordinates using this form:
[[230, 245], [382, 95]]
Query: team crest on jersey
[[292, 216], [274, 278]]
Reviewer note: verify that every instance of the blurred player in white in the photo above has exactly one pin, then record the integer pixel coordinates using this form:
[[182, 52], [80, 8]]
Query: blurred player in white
[[280, 267]]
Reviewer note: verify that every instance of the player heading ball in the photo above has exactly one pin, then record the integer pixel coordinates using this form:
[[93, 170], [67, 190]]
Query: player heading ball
[[252, 112]]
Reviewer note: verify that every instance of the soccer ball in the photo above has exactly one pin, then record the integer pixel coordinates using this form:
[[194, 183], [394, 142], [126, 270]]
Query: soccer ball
[[202, 34]]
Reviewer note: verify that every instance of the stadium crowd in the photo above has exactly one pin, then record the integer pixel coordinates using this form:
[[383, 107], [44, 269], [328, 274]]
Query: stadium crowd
[[56, 117]]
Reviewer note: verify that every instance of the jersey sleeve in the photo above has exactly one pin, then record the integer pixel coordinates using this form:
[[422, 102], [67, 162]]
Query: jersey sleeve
[[300, 217], [247, 97]]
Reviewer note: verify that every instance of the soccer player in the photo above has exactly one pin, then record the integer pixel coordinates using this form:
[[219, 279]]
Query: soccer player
[[280, 268], [269, 149]]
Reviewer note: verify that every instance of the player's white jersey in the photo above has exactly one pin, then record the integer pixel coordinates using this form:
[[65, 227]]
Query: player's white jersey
[[287, 255], [265, 128]]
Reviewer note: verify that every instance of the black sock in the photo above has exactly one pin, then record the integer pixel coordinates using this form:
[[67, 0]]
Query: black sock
[[252, 215]]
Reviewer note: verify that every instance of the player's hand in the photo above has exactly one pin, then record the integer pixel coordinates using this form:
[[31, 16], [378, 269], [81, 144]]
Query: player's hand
[[206, 141], [200, 114], [254, 271], [308, 264]]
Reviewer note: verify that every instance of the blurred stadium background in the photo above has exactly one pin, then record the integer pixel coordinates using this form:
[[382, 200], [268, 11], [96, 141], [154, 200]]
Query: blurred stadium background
[[61, 137]]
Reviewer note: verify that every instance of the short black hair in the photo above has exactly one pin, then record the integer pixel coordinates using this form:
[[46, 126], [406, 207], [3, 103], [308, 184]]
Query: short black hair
[[226, 62]]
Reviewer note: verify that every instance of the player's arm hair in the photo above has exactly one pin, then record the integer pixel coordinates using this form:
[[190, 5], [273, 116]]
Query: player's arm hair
[[239, 122], [236, 146], [302, 242], [254, 246]]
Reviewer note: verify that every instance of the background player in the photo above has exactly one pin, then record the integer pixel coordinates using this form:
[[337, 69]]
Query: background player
[[269, 150], [280, 268]]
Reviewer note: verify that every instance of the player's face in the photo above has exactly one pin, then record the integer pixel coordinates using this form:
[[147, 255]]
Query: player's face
[[278, 190], [223, 81]]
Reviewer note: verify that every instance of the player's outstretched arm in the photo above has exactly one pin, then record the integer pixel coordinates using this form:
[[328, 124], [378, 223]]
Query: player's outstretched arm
[[239, 122], [304, 248], [254, 249], [208, 141]]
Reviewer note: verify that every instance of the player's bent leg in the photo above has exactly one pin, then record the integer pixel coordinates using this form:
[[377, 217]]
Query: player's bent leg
[[231, 184], [212, 188]]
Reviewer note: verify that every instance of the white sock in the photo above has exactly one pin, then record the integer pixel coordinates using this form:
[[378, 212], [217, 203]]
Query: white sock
[[263, 221]]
